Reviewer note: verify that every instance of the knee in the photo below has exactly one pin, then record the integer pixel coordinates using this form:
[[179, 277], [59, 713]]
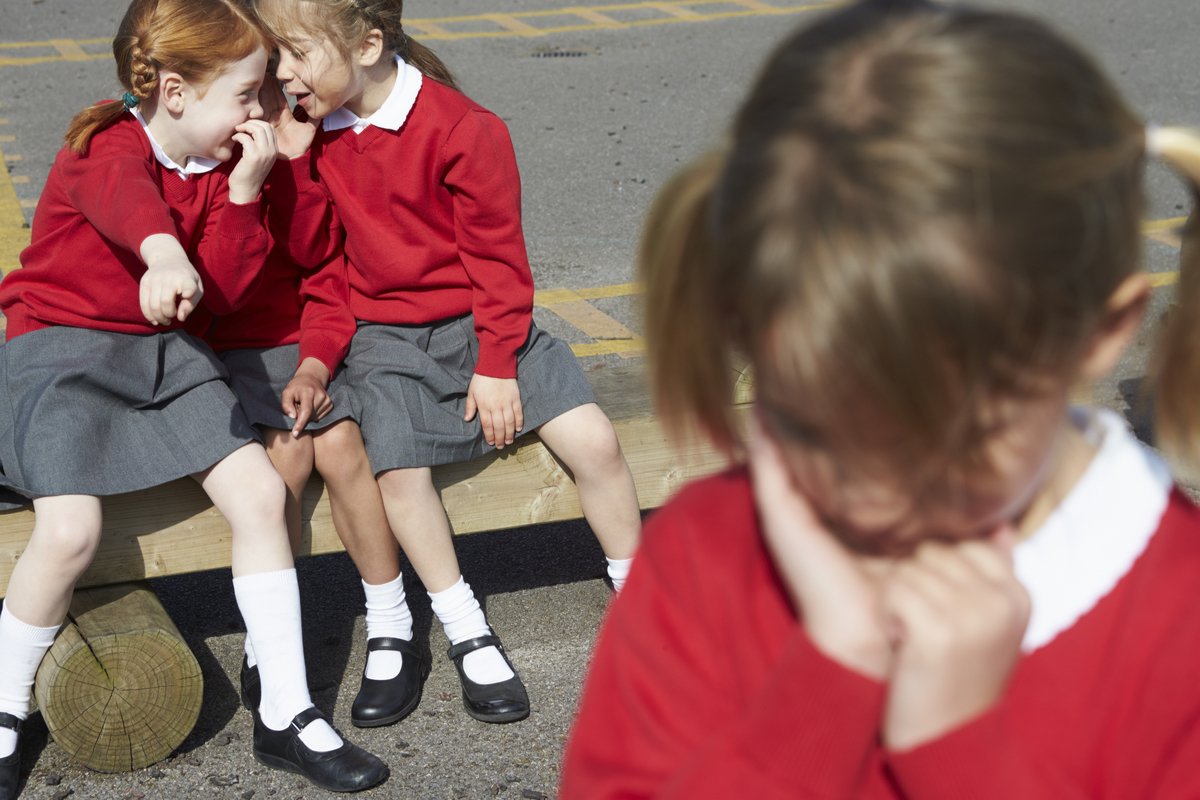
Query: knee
[[262, 494], [406, 483], [339, 450], [597, 451], [293, 458], [70, 540]]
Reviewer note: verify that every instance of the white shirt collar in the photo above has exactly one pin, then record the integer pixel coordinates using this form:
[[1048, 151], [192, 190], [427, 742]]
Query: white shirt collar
[[196, 165], [1097, 533], [395, 109]]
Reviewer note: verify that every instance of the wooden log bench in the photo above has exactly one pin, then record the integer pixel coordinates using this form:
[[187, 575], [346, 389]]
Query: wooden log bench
[[120, 690]]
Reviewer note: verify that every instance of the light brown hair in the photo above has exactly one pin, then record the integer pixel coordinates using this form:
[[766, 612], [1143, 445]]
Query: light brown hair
[[920, 209], [195, 38], [347, 22]]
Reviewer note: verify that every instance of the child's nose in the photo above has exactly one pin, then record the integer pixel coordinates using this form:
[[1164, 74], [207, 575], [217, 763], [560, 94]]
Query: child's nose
[[256, 110]]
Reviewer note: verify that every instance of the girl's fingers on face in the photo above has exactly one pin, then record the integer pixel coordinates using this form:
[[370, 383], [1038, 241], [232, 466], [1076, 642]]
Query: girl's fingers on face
[[948, 561], [937, 588], [990, 561]]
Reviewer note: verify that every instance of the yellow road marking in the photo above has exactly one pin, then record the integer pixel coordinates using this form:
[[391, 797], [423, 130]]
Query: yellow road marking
[[70, 50], [13, 233], [626, 349], [479, 26], [510, 23], [590, 320], [594, 16]]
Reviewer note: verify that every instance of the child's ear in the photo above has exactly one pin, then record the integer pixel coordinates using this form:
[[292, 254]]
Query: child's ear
[[1123, 314], [370, 50], [171, 92]]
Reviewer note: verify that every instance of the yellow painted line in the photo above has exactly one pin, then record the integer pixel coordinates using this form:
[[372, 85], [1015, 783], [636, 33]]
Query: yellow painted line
[[14, 236], [523, 23], [510, 23], [57, 50], [616, 290], [21, 179], [627, 348], [683, 12], [428, 29], [1158, 279], [548, 297], [595, 17], [1157, 225], [588, 319], [70, 50]]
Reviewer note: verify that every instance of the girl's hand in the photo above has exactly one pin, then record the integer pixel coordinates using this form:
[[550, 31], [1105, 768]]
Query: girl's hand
[[170, 288], [959, 615], [835, 592], [304, 397], [498, 402], [292, 135], [259, 150]]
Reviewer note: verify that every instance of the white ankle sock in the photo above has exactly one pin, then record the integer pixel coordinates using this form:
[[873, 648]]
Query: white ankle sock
[[618, 571], [248, 649], [270, 606], [387, 615], [21, 649], [463, 619]]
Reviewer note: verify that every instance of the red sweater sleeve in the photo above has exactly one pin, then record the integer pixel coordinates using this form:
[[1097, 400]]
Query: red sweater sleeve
[[231, 252], [300, 214], [116, 168], [666, 711], [981, 760], [326, 323], [481, 174]]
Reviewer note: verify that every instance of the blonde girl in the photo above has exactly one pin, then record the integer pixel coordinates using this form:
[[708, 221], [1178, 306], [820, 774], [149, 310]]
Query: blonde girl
[[147, 224], [446, 363], [935, 578]]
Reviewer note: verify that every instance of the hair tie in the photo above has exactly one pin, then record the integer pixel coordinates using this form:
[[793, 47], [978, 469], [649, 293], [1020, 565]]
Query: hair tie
[[129, 100]]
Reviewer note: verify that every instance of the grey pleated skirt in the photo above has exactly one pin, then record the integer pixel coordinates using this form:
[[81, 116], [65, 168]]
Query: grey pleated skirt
[[258, 376], [410, 385], [99, 413]]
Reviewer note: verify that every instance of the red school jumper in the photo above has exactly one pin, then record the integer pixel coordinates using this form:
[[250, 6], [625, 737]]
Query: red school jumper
[[432, 214], [704, 684], [302, 295], [82, 268]]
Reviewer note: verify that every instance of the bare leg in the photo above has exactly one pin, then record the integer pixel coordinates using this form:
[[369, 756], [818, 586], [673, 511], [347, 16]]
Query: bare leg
[[66, 532], [419, 522], [247, 490], [293, 460], [355, 502], [585, 441]]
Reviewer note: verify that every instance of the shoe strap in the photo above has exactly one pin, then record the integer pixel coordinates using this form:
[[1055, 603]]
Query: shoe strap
[[391, 643], [301, 720], [459, 650], [10, 721]]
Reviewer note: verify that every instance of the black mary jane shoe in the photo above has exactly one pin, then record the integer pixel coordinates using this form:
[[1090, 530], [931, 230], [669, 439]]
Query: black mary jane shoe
[[251, 686], [346, 769], [383, 702], [10, 765], [506, 701]]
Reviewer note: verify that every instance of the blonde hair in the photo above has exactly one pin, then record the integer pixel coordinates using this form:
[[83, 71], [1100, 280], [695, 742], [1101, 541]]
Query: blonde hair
[[921, 209], [347, 22], [195, 38]]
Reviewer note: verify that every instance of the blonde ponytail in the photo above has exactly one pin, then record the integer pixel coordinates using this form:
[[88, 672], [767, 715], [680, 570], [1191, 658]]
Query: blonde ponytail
[[689, 351], [1177, 356]]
